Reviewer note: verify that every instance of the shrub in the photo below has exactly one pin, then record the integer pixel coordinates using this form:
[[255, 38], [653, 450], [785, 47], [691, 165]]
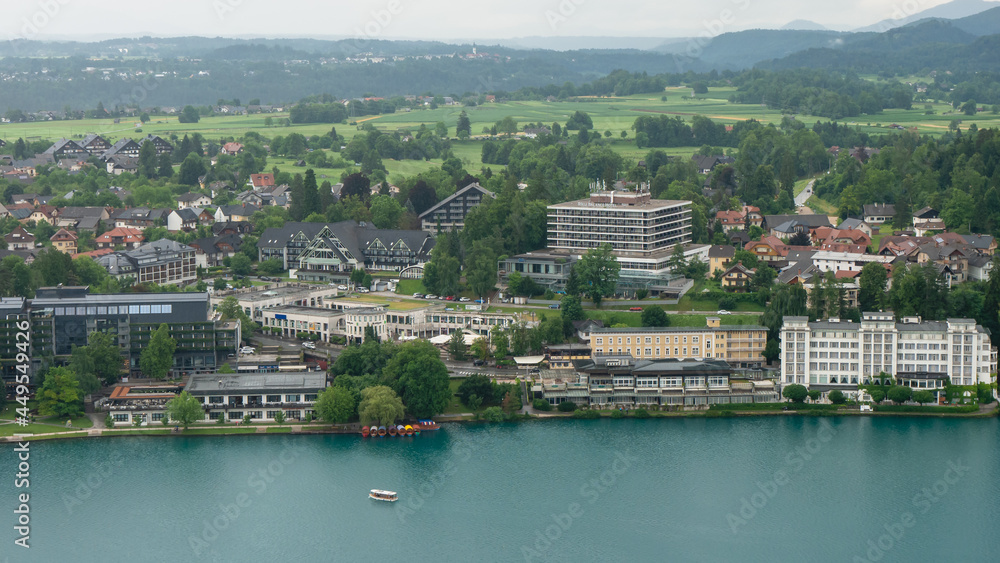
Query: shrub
[[985, 393], [567, 406], [837, 397], [795, 393], [641, 413], [727, 302], [617, 414], [899, 394], [109, 421], [493, 414], [541, 405], [586, 414]]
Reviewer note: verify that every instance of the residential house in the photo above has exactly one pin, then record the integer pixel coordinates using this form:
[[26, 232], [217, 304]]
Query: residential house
[[831, 236], [192, 199], [118, 165], [232, 228], [232, 149], [64, 241], [449, 214], [161, 145], [737, 278], [66, 148], [878, 213], [718, 257], [739, 219], [857, 225], [768, 249], [125, 237], [47, 213], [705, 164], [213, 250], [585, 327], [20, 239], [924, 215], [929, 228], [183, 219], [235, 212], [124, 147], [81, 218], [261, 181], [784, 226], [95, 145], [984, 244], [141, 217]]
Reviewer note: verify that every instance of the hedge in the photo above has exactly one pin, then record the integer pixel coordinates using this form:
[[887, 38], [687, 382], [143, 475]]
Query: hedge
[[934, 409]]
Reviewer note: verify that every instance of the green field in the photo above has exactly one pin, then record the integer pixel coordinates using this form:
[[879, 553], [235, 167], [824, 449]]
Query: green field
[[609, 114]]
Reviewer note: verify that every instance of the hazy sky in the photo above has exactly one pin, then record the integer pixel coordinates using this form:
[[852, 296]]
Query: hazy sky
[[430, 19]]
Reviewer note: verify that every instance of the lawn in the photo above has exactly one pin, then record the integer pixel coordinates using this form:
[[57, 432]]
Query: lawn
[[409, 287], [11, 429], [279, 430], [454, 405]]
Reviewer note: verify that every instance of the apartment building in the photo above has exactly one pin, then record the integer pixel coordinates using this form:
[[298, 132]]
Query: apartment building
[[740, 345], [449, 213], [838, 354]]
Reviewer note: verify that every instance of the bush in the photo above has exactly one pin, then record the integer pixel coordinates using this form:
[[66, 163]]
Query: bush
[[641, 413], [586, 414], [795, 393], [727, 302], [899, 394], [567, 406], [541, 405], [985, 393], [837, 397], [493, 414], [617, 414], [109, 421]]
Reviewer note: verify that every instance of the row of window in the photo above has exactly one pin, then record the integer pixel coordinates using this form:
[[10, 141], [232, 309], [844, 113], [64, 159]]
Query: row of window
[[115, 310]]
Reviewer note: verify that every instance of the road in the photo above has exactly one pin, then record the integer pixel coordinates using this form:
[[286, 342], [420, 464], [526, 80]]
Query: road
[[800, 200]]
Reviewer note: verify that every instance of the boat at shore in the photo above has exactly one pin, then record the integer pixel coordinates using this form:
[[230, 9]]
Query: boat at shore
[[399, 429], [426, 426], [381, 431], [365, 431], [392, 430], [385, 496]]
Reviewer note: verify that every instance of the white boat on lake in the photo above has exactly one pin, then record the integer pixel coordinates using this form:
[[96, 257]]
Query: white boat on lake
[[387, 496]]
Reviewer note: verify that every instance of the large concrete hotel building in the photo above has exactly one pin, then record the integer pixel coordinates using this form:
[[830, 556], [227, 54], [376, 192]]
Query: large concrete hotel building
[[837, 354], [742, 346]]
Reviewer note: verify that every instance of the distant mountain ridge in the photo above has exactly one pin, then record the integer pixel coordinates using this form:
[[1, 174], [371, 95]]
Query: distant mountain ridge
[[956, 9]]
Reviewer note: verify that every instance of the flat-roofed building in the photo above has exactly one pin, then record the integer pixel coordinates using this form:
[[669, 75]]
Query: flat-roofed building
[[740, 345], [291, 320], [254, 300], [257, 395], [839, 354]]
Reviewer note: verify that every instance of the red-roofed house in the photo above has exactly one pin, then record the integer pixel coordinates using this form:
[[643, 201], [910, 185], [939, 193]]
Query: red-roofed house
[[120, 236], [232, 149], [737, 219], [64, 241], [260, 181]]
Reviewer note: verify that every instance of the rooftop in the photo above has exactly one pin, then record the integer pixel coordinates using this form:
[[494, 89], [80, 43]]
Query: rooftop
[[204, 384]]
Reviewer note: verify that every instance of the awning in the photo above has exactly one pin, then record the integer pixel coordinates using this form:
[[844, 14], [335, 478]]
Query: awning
[[529, 360]]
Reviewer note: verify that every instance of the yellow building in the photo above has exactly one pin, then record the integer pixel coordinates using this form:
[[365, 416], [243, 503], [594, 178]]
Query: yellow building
[[740, 345], [64, 241]]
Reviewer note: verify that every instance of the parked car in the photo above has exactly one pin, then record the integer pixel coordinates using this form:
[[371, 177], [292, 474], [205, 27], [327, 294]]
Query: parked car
[[450, 298], [464, 299], [309, 345], [722, 312], [431, 296], [554, 306], [441, 298], [363, 290], [479, 301], [418, 295], [479, 362], [635, 308], [248, 350], [342, 287]]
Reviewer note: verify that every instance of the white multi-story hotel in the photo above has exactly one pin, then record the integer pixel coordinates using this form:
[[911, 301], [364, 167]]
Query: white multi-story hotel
[[836, 354], [630, 221]]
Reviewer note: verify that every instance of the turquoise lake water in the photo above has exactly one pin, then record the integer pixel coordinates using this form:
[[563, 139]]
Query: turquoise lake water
[[747, 489]]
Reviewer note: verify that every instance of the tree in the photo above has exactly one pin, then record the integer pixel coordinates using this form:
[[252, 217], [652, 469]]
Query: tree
[[837, 397], [380, 404], [599, 273], [185, 409], [572, 309], [795, 393], [189, 115], [60, 394], [800, 238], [899, 394], [240, 264], [166, 166], [871, 286], [923, 397], [420, 377], [147, 161], [480, 386], [463, 126], [104, 357], [386, 212], [772, 351], [336, 405], [654, 315], [481, 268], [279, 417], [814, 395], [878, 395], [144, 117], [456, 346], [230, 309], [969, 107], [192, 168], [480, 349], [158, 356]]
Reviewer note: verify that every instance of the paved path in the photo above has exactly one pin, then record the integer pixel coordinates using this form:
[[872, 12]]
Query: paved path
[[803, 197]]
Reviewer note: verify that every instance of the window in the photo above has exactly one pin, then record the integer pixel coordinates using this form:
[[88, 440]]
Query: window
[[215, 400], [256, 414], [157, 416], [272, 414], [274, 399], [235, 415], [121, 417], [292, 398]]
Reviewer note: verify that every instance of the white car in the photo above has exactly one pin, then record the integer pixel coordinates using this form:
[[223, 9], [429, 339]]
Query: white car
[[722, 312], [362, 290], [309, 345], [248, 351], [342, 287], [464, 299], [432, 296]]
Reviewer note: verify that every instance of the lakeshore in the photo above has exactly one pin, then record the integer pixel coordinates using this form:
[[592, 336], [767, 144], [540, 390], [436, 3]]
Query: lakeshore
[[578, 490]]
